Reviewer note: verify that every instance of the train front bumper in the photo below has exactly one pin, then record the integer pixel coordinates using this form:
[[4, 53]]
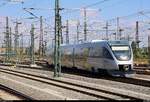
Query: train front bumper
[[117, 73]]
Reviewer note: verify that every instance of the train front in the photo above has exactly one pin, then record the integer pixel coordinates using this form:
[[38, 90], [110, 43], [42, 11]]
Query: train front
[[123, 56]]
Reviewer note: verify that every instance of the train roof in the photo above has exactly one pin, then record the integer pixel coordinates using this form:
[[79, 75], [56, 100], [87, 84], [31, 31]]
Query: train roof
[[112, 42], [93, 41], [118, 42]]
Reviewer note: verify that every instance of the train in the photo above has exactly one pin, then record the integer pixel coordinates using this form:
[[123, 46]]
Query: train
[[112, 57]]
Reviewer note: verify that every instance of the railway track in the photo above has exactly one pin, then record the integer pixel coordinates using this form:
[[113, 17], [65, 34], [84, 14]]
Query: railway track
[[142, 70], [129, 80], [82, 87], [135, 81], [16, 93]]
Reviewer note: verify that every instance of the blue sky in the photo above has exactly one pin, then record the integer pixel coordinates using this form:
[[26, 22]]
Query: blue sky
[[109, 9]]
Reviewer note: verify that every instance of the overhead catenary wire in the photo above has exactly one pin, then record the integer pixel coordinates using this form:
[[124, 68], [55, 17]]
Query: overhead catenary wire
[[74, 10], [123, 17], [3, 4], [87, 6]]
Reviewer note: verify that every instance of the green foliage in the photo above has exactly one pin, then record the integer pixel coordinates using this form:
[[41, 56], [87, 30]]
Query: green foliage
[[139, 53]]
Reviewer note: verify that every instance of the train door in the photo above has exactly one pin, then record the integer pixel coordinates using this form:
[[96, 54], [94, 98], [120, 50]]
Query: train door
[[95, 58], [67, 57], [81, 56], [108, 60]]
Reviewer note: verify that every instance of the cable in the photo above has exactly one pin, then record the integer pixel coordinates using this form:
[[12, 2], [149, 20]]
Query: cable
[[90, 5], [144, 14], [31, 13], [131, 15], [3, 4], [97, 3], [94, 4]]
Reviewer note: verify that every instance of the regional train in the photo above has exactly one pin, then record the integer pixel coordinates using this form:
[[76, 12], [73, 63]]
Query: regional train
[[113, 57]]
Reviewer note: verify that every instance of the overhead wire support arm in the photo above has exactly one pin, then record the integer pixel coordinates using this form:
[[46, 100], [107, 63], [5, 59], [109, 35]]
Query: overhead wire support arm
[[30, 13]]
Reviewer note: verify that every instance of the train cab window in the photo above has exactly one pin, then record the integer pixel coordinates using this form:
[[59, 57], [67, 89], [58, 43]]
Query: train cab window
[[68, 51], [106, 53]]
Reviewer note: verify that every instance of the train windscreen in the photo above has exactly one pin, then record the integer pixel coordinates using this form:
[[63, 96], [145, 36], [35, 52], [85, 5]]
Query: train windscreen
[[122, 50], [122, 53]]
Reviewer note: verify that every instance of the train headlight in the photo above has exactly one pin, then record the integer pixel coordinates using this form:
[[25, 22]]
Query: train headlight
[[126, 67]]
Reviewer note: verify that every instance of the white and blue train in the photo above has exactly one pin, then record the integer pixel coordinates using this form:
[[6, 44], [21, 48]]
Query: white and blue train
[[113, 57]]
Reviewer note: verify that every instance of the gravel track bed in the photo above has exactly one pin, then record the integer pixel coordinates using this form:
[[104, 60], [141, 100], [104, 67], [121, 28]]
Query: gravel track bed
[[144, 77], [57, 90], [115, 84], [113, 96], [8, 96]]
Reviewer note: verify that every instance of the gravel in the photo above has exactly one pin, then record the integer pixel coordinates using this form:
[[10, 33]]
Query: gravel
[[115, 84], [143, 77], [43, 91], [7, 96], [101, 81]]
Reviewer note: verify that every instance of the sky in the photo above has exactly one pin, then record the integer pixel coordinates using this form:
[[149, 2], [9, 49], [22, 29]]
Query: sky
[[106, 11], [109, 9]]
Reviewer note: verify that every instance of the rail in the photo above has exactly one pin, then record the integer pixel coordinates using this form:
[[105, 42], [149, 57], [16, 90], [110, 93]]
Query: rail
[[16, 93], [85, 89]]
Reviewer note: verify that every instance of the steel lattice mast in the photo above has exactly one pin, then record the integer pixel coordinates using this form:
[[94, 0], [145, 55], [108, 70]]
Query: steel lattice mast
[[32, 44], [57, 54], [7, 58]]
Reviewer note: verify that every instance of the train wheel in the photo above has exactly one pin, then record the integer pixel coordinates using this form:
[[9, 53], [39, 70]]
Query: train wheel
[[75, 68], [93, 70], [102, 72]]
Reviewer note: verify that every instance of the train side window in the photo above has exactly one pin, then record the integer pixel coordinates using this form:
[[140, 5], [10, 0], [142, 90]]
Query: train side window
[[84, 52], [95, 52], [106, 53], [68, 51], [91, 52]]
